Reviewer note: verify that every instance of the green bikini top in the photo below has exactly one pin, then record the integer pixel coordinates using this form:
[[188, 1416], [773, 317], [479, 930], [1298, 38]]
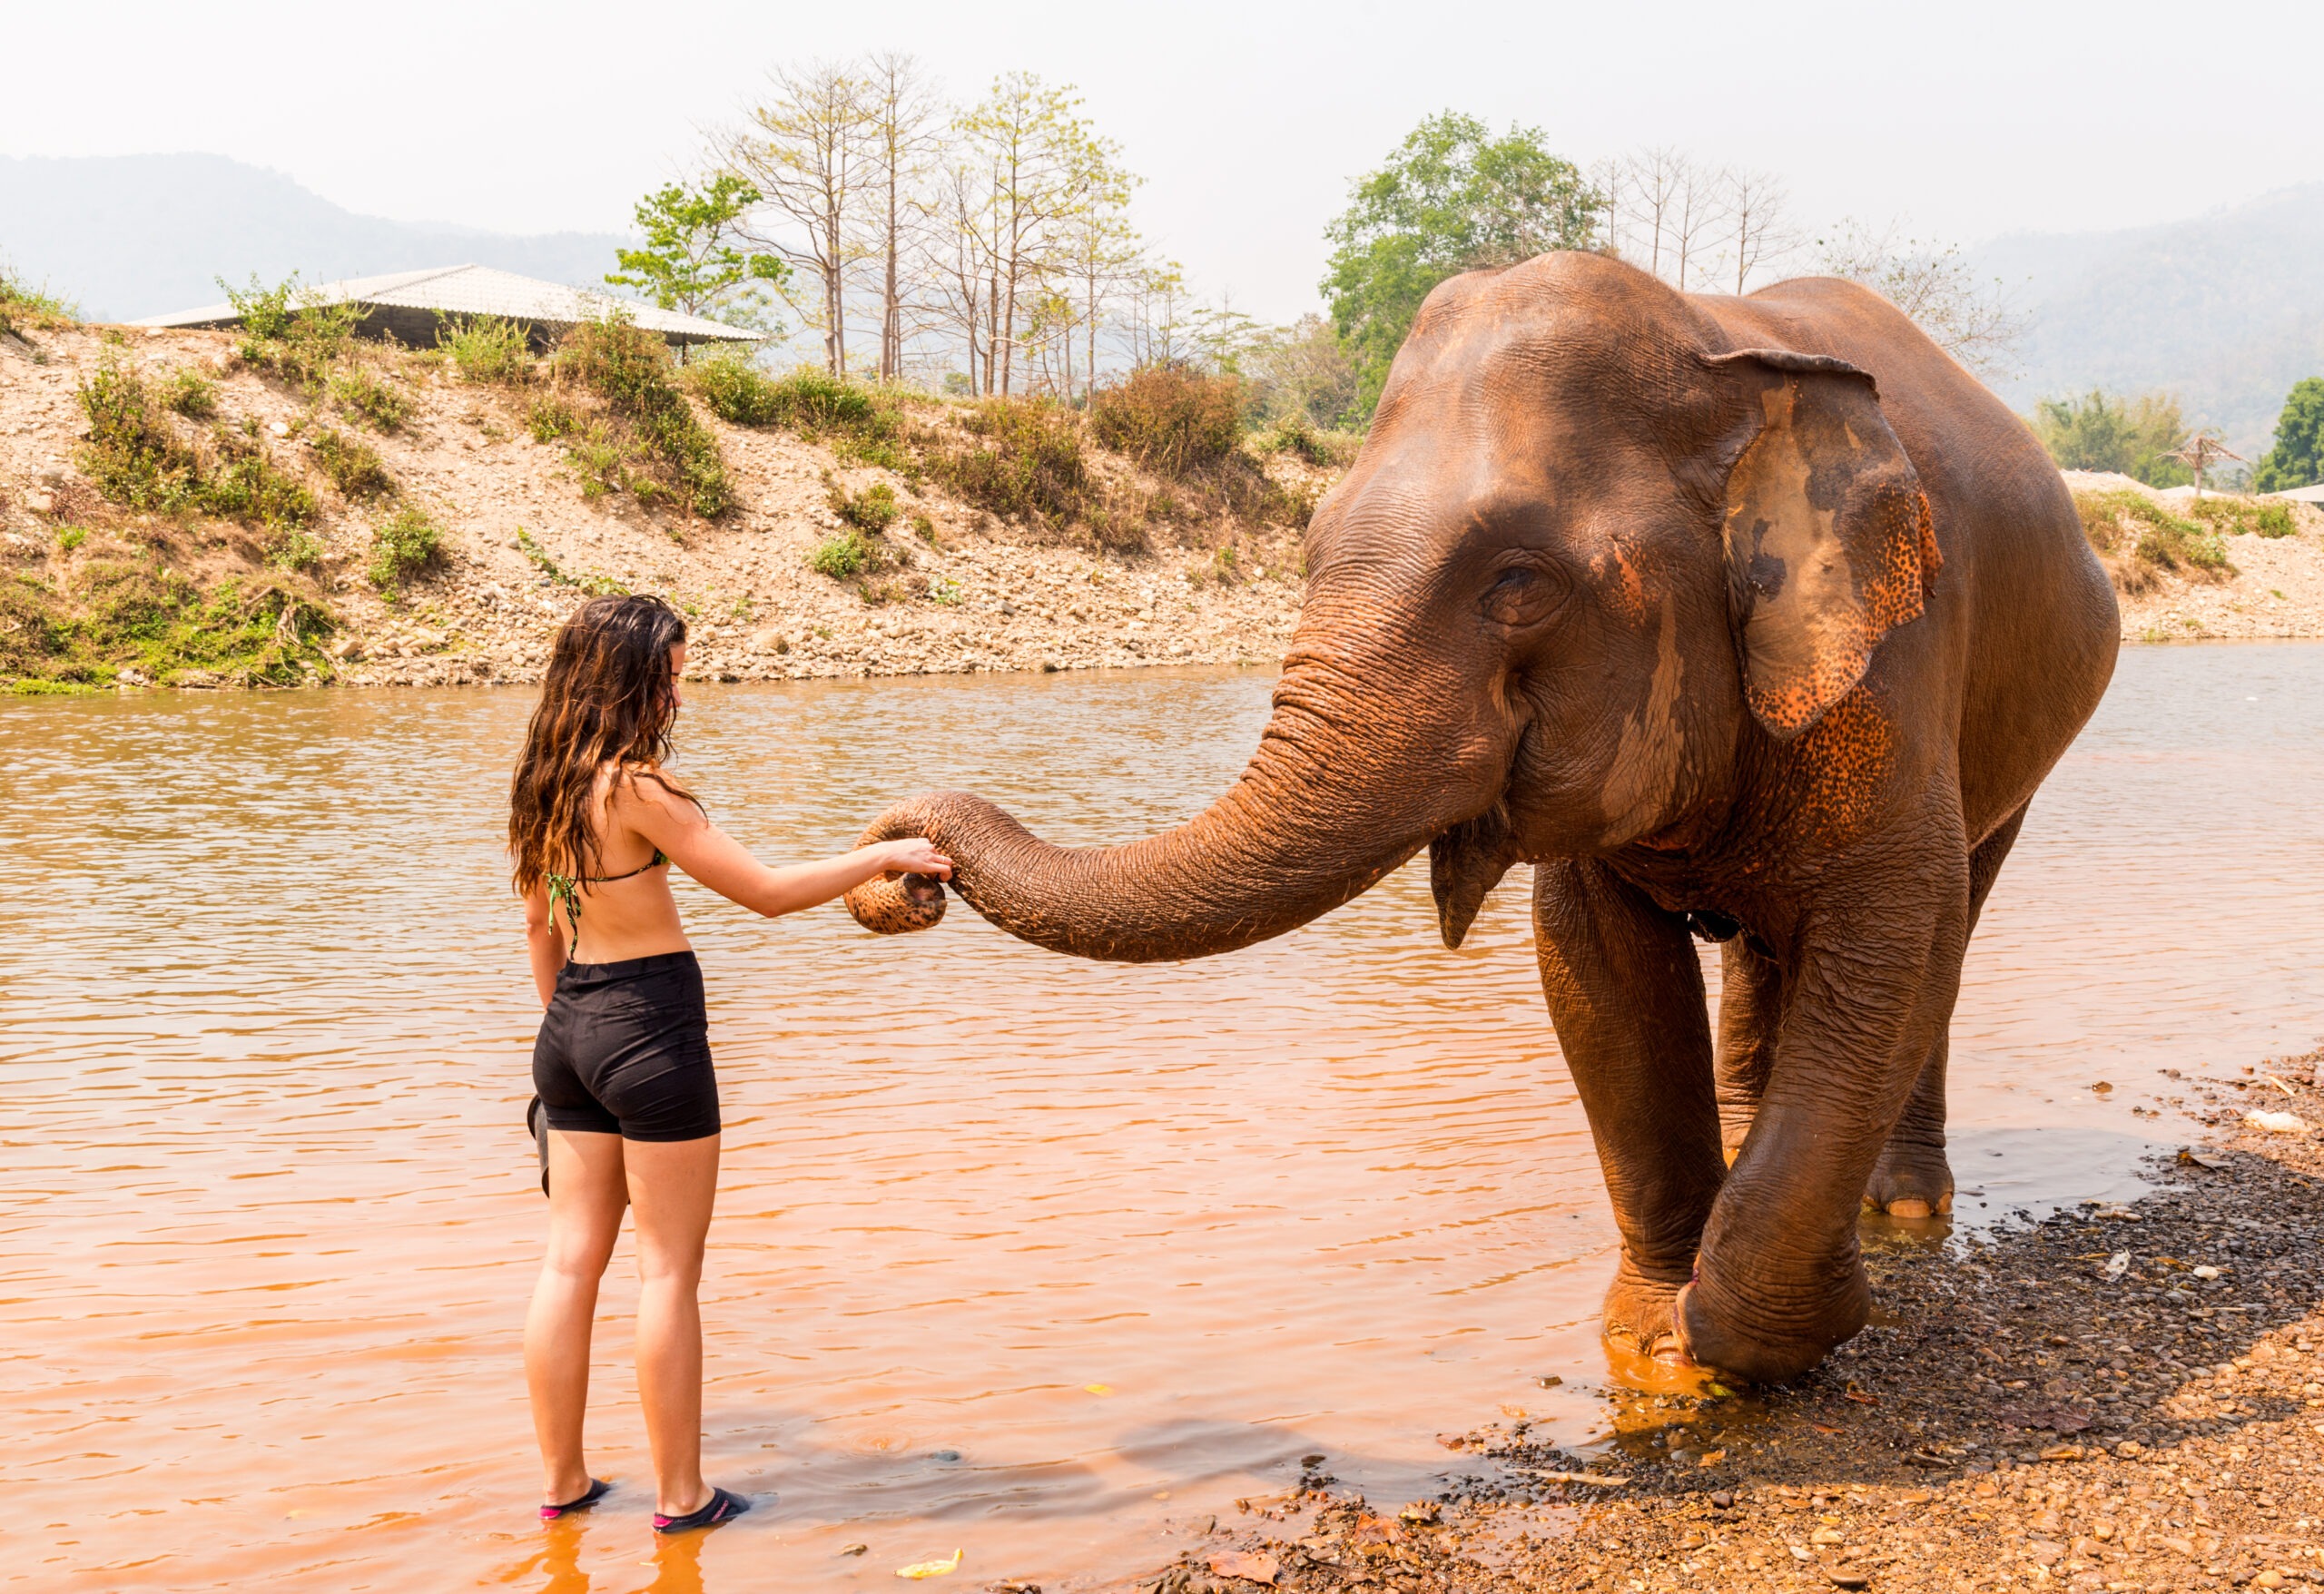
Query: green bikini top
[[565, 888]]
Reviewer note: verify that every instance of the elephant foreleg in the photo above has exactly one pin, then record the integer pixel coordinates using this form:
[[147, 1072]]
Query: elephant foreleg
[[1780, 1279], [1750, 1011], [1913, 1179], [1625, 991]]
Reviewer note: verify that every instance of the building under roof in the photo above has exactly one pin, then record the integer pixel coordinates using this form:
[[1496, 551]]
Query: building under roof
[[412, 305], [2310, 494]]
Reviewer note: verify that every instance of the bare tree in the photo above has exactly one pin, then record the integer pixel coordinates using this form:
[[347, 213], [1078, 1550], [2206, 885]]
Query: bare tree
[[1047, 165], [960, 256], [1697, 212], [805, 149], [1973, 322], [1758, 227], [903, 116]]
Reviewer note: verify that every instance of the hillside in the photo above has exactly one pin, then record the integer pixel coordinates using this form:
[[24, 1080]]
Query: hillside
[[143, 235], [527, 531], [2224, 568], [2225, 309]]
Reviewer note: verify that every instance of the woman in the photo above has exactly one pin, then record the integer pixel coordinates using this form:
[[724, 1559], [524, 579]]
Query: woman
[[622, 1065]]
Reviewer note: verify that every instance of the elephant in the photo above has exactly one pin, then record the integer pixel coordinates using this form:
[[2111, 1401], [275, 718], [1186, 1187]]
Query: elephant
[[1754, 619]]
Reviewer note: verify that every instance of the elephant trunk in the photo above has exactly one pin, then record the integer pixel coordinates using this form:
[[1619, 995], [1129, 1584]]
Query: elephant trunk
[[1353, 775]]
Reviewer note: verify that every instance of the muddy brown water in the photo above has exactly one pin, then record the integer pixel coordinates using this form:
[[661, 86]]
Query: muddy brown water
[[1039, 1260]]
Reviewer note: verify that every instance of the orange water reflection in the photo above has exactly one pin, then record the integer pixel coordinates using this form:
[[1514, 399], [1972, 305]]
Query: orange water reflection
[[272, 1216]]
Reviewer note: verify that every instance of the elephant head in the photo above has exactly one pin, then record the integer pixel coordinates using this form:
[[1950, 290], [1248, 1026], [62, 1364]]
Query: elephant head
[[1589, 551]]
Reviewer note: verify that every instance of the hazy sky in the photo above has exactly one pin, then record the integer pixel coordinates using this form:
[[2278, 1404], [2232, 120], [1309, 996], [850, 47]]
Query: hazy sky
[[1247, 120]]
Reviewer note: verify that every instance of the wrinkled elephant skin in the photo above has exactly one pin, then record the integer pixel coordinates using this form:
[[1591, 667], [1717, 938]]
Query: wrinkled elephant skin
[[1755, 619]]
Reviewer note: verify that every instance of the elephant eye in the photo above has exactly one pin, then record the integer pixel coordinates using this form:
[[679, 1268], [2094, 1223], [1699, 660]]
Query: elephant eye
[[1521, 595]]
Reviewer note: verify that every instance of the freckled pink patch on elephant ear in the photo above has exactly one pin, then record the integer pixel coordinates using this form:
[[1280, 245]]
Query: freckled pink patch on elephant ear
[[1828, 544]]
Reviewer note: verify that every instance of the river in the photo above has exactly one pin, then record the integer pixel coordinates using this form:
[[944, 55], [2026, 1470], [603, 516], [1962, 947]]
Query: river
[[1039, 1260]]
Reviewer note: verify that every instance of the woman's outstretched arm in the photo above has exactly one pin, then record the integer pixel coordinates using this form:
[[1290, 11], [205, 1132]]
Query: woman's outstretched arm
[[708, 854]]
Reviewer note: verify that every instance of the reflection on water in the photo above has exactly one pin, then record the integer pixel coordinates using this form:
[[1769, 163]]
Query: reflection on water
[[1026, 1257]]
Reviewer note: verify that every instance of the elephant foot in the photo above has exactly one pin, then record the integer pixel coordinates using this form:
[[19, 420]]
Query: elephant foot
[[1638, 1315], [1716, 1335], [1910, 1181]]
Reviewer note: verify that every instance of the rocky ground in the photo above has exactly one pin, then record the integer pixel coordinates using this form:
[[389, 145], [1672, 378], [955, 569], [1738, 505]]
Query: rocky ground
[[523, 544], [2119, 1398]]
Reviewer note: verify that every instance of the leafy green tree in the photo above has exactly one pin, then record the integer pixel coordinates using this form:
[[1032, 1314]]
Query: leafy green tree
[[690, 261], [1452, 198], [2297, 459], [2100, 431]]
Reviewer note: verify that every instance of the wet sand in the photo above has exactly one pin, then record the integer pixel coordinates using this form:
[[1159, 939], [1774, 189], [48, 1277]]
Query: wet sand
[[2071, 1403]]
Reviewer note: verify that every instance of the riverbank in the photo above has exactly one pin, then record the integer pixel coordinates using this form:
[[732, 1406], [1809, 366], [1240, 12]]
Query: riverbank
[[526, 529], [2120, 1397], [2225, 569]]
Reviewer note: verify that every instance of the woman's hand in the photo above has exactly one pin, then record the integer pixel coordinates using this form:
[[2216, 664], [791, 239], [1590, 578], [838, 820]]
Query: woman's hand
[[914, 855]]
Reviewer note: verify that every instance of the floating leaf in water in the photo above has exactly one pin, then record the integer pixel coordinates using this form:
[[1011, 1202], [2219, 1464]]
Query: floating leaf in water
[[1099, 1388], [931, 1569]]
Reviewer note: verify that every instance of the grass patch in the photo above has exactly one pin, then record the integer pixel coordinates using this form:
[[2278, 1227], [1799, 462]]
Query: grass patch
[[363, 394], [134, 457], [548, 419], [2238, 516], [872, 510], [191, 394], [486, 349], [287, 334], [27, 309], [2142, 538], [595, 585], [848, 554], [1298, 437], [353, 466], [245, 484], [402, 545], [117, 615], [655, 447]]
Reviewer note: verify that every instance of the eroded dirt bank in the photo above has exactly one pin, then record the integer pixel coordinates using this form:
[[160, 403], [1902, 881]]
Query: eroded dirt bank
[[2120, 1397], [526, 539]]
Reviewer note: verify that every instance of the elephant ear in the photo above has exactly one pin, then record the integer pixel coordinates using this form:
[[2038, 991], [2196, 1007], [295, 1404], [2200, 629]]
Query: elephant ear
[[1829, 541]]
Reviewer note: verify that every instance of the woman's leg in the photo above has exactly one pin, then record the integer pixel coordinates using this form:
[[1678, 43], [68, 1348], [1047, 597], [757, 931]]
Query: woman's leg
[[585, 1196], [672, 1184]]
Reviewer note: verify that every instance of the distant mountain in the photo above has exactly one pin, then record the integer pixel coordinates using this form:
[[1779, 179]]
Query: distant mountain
[[2226, 311], [141, 235]]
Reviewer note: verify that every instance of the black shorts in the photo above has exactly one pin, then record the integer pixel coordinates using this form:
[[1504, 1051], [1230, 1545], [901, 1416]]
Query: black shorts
[[624, 1049]]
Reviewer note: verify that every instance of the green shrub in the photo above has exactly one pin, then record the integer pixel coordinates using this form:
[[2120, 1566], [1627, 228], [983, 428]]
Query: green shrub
[[631, 371], [1023, 458], [354, 467], [2123, 521], [71, 538], [850, 553], [488, 350], [371, 397], [191, 394], [737, 391], [1172, 421], [285, 332], [874, 509], [548, 419], [402, 545], [295, 550], [246, 484], [2239, 517], [134, 457]]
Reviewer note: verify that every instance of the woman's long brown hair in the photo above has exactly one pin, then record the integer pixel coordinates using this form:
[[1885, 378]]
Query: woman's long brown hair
[[607, 699]]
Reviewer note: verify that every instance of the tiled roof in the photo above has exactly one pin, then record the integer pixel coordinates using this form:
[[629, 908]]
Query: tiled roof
[[482, 290]]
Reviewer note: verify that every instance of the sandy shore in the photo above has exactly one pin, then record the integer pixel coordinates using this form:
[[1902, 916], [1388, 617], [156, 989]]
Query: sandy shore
[[2120, 1397]]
